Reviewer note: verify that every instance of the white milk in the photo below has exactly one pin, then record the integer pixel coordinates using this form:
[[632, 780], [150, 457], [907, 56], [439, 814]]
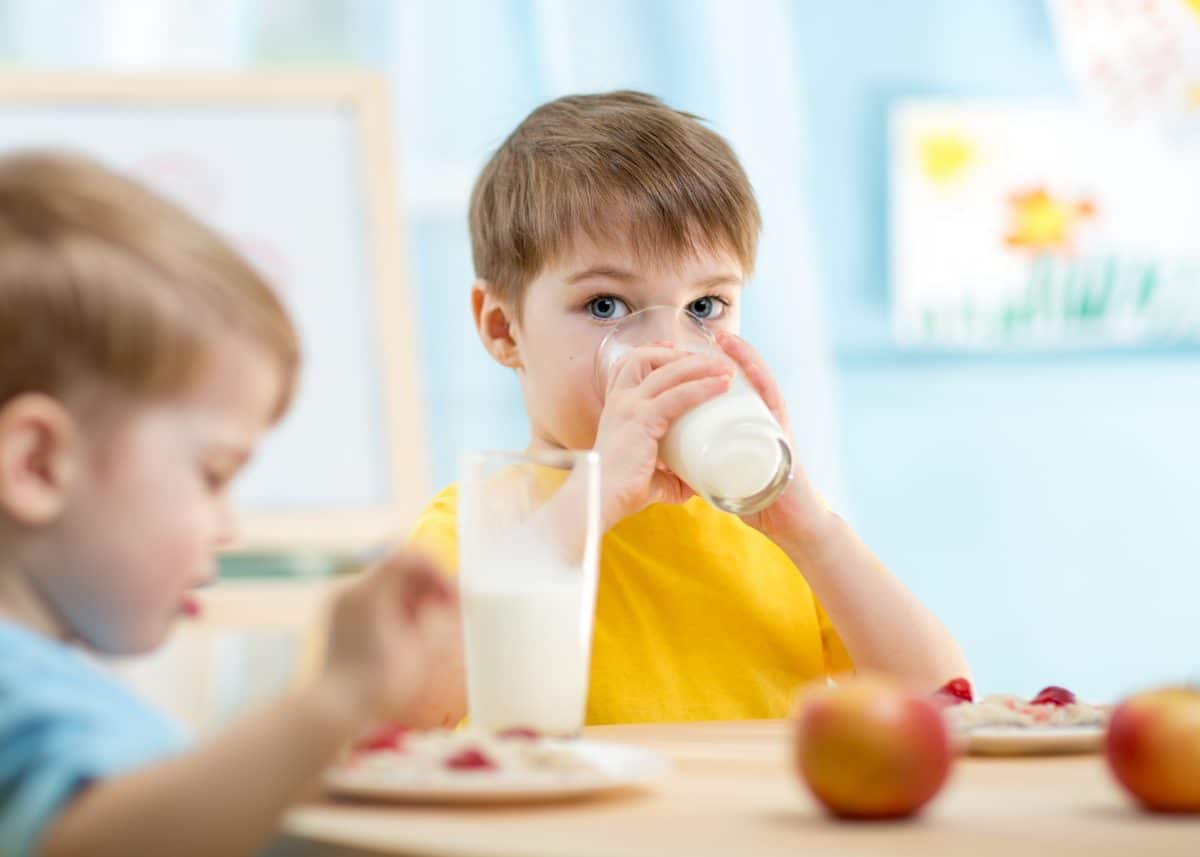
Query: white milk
[[527, 651], [728, 448]]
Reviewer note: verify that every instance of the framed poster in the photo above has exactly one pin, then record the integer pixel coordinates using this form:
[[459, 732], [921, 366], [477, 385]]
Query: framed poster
[[296, 170], [1041, 225]]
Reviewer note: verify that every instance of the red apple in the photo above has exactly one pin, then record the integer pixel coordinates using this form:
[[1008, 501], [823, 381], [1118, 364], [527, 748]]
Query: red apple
[[1153, 748], [868, 749]]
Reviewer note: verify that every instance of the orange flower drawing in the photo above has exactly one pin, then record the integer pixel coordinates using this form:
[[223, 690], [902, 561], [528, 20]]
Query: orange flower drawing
[[1041, 222]]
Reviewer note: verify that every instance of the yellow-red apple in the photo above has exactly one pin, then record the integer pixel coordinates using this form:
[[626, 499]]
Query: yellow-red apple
[[1153, 748], [869, 749]]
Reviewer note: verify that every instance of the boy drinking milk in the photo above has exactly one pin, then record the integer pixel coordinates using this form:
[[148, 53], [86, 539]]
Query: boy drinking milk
[[140, 362], [598, 206]]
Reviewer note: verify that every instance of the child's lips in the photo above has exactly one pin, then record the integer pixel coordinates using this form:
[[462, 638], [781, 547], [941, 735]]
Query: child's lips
[[190, 606]]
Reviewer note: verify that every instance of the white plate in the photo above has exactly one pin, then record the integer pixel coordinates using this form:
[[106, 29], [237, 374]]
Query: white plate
[[612, 767], [1033, 740]]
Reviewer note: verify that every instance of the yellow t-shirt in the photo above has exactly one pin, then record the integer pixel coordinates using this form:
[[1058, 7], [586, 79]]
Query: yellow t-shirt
[[698, 617]]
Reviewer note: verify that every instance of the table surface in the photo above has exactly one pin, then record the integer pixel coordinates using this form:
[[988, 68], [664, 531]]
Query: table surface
[[731, 790]]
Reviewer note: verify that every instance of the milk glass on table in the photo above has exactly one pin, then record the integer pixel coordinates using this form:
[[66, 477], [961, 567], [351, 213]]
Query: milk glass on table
[[528, 537], [730, 449]]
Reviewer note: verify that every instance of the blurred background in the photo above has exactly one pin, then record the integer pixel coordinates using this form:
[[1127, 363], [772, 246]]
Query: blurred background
[[1027, 463]]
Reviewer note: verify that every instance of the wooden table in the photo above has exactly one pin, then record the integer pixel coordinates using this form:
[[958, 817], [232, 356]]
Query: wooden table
[[732, 792]]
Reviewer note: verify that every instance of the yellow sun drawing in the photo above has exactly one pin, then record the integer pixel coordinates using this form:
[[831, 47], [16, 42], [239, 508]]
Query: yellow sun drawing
[[1042, 222], [946, 155], [1195, 4]]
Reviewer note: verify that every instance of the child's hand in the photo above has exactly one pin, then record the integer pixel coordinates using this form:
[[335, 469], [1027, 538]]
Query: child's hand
[[648, 390], [388, 632], [799, 510]]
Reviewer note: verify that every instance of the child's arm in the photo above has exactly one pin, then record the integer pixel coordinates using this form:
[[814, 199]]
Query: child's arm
[[883, 625], [226, 797]]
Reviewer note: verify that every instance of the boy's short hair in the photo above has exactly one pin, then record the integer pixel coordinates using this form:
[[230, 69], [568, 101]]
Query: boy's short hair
[[619, 165], [103, 281]]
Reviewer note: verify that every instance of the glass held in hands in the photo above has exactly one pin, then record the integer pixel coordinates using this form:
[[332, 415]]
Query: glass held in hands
[[730, 450]]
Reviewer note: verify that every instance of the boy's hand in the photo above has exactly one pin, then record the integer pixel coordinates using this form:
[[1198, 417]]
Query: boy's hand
[[799, 510], [648, 390], [389, 630]]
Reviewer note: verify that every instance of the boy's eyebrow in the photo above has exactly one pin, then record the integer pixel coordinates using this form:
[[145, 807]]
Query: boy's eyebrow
[[719, 280], [621, 275], [606, 271]]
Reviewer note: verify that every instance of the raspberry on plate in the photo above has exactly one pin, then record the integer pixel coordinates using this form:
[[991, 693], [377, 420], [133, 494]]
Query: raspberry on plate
[[386, 738], [1054, 695], [955, 691], [470, 759]]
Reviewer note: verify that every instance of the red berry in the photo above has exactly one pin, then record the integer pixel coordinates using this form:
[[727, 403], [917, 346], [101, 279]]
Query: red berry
[[955, 691], [521, 732], [470, 759], [1054, 695], [386, 738]]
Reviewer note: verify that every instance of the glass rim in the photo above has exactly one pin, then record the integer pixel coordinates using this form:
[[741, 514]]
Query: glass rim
[[561, 459], [618, 324]]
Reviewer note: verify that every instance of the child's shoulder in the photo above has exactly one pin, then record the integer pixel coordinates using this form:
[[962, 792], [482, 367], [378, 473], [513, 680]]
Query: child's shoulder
[[43, 680], [55, 699], [28, 655], [440, 511], [436, 529], [444, 500], [64, 720]]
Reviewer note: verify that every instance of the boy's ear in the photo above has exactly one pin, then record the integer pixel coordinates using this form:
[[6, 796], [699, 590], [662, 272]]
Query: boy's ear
[[493, 322], [37, 449]]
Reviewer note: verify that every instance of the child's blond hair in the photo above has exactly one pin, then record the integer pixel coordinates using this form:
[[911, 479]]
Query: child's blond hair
[[103, 282], [615, 166]]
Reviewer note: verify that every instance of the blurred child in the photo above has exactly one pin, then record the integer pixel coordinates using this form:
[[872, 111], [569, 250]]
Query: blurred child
[[597, 206], [140, 361]]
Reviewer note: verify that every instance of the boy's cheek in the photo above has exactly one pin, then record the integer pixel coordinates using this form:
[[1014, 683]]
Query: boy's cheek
[[575, 415]]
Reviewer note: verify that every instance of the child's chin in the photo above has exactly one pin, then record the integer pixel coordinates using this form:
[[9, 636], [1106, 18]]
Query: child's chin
[[143, 641]]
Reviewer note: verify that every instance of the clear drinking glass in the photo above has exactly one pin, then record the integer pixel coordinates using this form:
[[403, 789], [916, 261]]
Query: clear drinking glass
[[731, 450], [528, 538]]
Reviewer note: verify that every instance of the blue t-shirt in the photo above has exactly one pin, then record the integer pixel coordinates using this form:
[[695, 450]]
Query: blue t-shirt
[[64, 722]]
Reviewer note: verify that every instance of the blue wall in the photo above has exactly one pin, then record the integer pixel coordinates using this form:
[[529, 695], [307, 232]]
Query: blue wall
[[1044, 506]]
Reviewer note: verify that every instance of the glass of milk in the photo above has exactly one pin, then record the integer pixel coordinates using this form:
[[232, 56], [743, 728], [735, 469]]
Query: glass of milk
[[528, 540], [730, 450]]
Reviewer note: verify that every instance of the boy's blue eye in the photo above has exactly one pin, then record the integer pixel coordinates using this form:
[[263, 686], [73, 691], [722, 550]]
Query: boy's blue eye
[[607, 308], [707, 308]]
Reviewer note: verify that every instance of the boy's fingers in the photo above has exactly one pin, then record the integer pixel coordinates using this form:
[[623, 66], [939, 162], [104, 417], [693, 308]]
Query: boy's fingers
[[677, 372], [423, 593], [672, 404], [416, 581], [631, 369]]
